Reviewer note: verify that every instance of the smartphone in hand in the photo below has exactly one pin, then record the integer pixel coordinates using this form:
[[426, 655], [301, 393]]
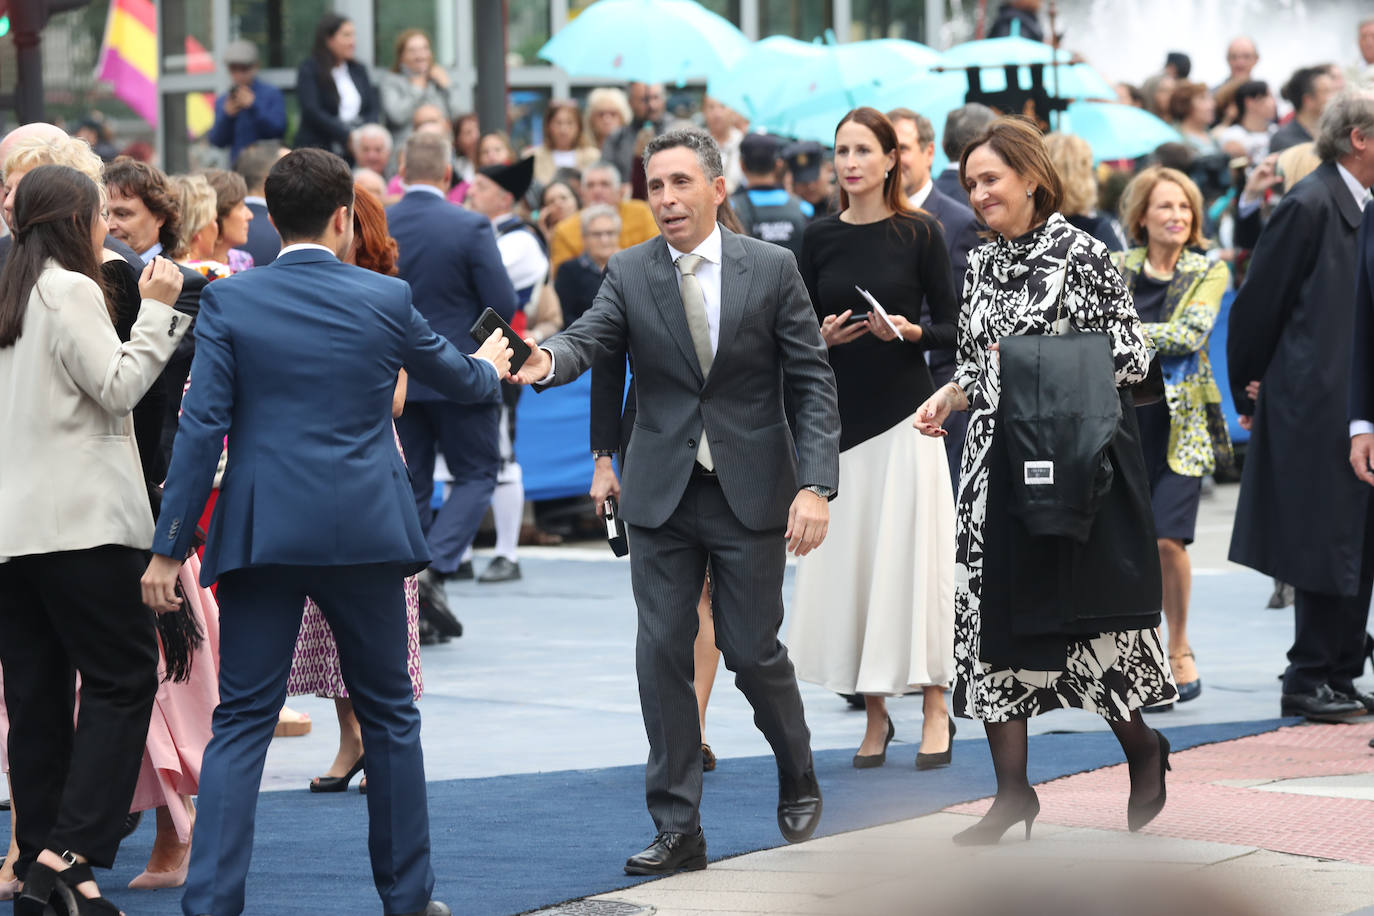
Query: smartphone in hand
[[488, 324]]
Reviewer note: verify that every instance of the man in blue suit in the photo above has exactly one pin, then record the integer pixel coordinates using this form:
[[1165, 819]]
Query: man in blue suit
[[449, 257], [296, 364], [253, 164], [916, 146]]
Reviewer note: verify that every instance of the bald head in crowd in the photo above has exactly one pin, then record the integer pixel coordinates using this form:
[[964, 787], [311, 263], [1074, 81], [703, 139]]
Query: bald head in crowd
[[1241, 57], [38, 129]]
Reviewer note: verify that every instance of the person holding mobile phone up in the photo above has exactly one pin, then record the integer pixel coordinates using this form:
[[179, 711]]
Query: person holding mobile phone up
[[874, 608]]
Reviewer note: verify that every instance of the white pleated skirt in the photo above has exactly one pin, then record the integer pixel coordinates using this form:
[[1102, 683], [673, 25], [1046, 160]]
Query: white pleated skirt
[[873, 611]]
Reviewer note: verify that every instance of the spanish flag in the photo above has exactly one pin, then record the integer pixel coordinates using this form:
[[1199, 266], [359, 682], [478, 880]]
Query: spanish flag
[[128, 62]]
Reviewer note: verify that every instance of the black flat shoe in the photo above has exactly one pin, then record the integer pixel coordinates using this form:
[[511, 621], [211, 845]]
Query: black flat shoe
[[799, 805], [1138, 816], [1321, 705], [500, 570], [337, 783], [868, 761], [670, 853], [989, 830], [1364, 699], [942, 759]]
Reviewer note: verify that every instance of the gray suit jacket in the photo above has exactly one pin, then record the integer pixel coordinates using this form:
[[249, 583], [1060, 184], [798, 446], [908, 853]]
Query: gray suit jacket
[[769, 345]]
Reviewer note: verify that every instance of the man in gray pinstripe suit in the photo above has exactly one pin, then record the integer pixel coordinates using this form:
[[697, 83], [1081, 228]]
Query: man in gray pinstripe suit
[[719, 326]]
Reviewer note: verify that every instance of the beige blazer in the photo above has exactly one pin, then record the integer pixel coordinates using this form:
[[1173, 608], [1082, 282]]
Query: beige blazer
[[70, 476]]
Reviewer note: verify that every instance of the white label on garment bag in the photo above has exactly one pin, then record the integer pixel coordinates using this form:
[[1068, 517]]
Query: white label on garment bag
[[1039, 473]]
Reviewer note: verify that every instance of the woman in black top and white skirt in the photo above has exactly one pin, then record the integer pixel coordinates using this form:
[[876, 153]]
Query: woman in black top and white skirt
[[874, 606]]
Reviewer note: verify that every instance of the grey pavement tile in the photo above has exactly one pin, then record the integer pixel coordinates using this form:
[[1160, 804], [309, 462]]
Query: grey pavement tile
[[1353, 785], [670, 899]]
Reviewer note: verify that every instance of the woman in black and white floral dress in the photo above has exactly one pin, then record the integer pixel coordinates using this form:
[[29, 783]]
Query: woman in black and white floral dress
[[1013, 286]]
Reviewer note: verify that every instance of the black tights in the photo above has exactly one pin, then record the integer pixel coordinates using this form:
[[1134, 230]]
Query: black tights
[[1007, 741]]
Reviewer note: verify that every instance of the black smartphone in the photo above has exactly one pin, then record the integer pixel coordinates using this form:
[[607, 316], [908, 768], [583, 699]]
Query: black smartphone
[[489, 323], [858, 318], [615, 528]]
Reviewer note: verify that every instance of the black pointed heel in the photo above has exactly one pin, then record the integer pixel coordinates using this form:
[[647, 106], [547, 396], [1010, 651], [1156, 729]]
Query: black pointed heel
[[1138, 816], [868, 761], [943, 759], [988, 832], [337, 783]]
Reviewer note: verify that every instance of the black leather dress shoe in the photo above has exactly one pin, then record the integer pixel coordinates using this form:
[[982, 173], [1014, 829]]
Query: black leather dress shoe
[[1364, 699], [435, 908], [1321, 705], [799, 805], [500, 570], [669, 853]]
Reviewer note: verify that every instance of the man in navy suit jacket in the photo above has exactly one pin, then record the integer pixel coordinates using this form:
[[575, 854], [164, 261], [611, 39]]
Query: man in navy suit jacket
[[449, 257], [1362, 358], [253, 164], [916, 146], [296, 364]]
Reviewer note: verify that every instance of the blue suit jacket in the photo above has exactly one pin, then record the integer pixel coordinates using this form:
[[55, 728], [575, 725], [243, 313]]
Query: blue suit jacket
[[1362, 357], [296, 363], [961, 232], [448, 255]]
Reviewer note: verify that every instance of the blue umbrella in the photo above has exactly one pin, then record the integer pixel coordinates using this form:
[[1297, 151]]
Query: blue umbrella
[[1116, 131], [613, 39], [782, 74]]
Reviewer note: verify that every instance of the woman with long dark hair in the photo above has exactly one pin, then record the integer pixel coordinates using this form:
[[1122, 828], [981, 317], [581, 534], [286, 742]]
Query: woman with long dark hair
[[1039, 276], [334, 90], [69, 590], [874, 607]]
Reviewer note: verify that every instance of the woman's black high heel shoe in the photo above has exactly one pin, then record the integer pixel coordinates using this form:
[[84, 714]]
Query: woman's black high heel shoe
[[39, 887], [942, 759], [988, 832], [337, 783], [44, 887], [76, 903], [867, 761], [1138, 815]]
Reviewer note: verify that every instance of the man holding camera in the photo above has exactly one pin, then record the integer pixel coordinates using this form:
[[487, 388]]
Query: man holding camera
[[251, 110]]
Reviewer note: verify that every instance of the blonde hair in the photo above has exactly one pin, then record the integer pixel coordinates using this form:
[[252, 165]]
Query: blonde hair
[[31, 152], [1073, 160], [1135, 201], [1296, 163], [197, 203], [605, 97]]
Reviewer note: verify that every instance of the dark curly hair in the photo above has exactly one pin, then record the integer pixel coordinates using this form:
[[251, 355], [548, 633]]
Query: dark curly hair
[[132, 178]]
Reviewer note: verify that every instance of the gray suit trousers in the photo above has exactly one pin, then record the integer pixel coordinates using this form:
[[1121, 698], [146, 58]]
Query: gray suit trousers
[[667, 565]]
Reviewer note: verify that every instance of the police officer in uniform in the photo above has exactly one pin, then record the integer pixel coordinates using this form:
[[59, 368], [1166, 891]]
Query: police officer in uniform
[[813, 179], [494, 193], [766, 209]]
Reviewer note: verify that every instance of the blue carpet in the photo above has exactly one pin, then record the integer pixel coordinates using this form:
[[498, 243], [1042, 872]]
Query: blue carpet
[[509, 844]]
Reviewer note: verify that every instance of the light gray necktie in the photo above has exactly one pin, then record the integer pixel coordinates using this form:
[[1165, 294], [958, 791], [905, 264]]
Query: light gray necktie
[[694, 303]]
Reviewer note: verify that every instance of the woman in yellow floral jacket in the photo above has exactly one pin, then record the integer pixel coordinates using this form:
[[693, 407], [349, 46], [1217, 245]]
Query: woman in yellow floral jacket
[[1178, 294]]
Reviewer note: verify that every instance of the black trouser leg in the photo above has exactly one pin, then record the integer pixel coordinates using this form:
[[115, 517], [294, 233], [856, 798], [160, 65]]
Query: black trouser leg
[[89, 616]]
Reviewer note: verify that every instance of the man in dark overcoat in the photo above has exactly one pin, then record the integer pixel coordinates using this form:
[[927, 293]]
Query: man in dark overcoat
[[1303, 517]]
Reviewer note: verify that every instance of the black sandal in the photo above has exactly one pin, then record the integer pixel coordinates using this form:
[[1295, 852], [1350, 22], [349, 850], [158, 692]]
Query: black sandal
[[43, 887], [337, 783]]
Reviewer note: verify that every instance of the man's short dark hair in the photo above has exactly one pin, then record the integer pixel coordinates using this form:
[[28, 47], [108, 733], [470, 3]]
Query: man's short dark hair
[[255, 162], [925, 131], [304, 189], [698, 141], [962, 125], [135, 178]]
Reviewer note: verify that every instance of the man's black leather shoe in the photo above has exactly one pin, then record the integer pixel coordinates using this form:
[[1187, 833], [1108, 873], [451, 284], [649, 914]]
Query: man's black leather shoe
[[669, 853], [435, 908], [1321, 705], [799, 805], [1364, 699]]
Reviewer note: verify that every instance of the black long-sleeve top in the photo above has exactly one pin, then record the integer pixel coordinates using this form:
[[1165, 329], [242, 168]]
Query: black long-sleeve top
[[900, 261]]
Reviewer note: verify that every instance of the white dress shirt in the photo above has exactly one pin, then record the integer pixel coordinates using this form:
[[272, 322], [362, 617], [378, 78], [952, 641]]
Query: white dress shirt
[[350, 100], [304, 246], [1361, 195], [918, 200]]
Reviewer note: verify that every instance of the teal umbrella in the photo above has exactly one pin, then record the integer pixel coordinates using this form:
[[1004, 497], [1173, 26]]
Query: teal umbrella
[[1116, 131], [781, 74], [653, 41]]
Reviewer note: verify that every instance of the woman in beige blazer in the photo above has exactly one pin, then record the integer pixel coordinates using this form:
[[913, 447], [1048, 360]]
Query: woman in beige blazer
[[74, 521]]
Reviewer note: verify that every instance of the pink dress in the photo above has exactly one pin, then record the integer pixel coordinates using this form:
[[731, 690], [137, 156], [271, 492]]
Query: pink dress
[[180, 726]]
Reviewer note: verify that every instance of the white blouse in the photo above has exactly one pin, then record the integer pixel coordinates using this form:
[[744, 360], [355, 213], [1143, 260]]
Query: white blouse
[[350, 99]]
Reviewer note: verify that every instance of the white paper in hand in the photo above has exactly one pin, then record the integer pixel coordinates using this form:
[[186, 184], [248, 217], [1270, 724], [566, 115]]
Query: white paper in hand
[[882, 312]]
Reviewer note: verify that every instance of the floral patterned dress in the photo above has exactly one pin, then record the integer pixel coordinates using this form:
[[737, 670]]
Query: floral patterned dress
[[1014, 287]]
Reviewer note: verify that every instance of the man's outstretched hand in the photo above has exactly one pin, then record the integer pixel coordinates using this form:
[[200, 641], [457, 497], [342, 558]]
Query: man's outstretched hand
[[497, 352], [537, 367]]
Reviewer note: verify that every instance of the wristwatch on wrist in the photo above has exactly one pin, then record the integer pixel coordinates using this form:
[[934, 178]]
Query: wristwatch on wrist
[[603, 453], [822, 492]]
